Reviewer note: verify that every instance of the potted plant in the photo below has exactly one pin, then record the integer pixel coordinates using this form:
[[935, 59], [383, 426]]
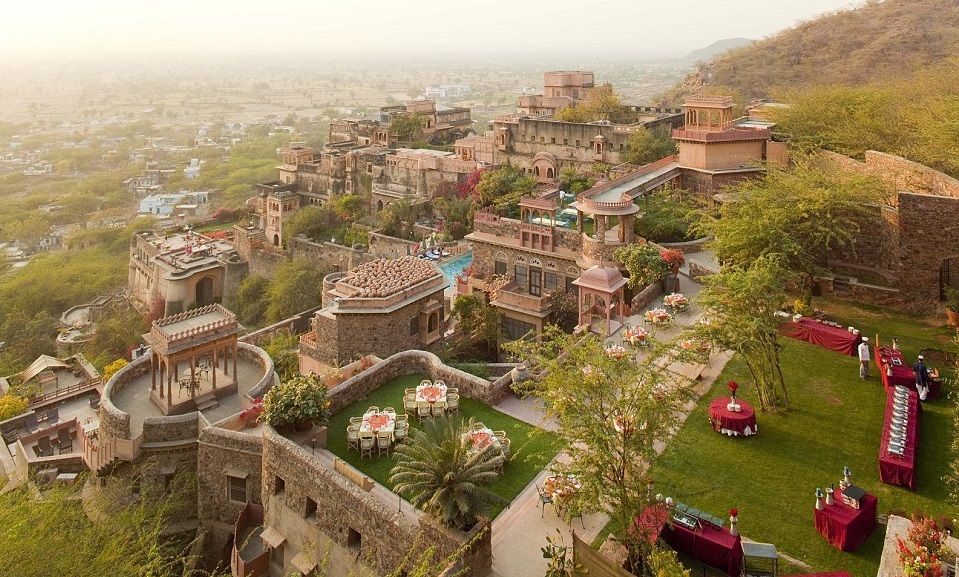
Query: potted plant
[[299, 402], [920, 555], [674, 259], [952, 306]]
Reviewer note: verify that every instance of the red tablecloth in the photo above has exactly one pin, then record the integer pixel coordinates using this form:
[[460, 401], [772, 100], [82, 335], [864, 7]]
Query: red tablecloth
[[844, 527], [828, 337], [730, 423], [894, 469], [708, 544], [902, 375]]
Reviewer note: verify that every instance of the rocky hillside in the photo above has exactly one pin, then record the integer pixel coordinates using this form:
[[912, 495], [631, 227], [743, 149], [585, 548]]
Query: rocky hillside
[[880, 40]]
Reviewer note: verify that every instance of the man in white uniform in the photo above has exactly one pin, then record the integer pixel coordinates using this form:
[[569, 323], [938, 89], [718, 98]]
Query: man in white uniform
[[864, 358]]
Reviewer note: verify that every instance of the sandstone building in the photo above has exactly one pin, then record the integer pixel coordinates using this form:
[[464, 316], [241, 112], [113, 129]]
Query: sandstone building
[[170, 273], [380, 307]]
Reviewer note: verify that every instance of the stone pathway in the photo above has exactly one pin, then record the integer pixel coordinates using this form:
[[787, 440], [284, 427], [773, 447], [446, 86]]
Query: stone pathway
[[519, 532]]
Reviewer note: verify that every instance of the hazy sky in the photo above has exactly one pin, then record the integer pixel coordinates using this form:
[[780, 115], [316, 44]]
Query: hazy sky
[[643, 26]]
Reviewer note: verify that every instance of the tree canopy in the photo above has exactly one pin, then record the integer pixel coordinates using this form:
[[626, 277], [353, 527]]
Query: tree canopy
[[295, 287], [602, 103], [644, 146], [802, 214]]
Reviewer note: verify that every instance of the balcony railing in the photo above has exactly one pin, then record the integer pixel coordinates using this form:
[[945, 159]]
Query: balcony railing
[[510, 295], [87, 384]]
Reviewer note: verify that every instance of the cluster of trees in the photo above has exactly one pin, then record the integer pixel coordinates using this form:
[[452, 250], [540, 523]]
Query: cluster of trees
[[644, 146], [669, 215], [335, 220], [915, 117], [502, 188], [602, 103], [295, 287]]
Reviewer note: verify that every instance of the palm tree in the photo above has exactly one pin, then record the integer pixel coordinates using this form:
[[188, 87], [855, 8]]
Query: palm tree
[[444, 477]]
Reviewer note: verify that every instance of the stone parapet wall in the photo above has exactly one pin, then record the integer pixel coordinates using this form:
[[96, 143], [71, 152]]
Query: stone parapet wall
[[257, 355], [645, 297], [327, 255], [173, 428], [688, 247], [384, 246], [297, 324], [409, 363], [114, 422]]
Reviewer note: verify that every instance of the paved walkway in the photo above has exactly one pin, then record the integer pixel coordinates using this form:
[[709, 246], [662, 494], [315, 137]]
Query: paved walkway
[[519, 532]]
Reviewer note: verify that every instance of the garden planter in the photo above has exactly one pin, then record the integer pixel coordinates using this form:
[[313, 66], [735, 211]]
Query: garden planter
[[952, 317], [302, 426]]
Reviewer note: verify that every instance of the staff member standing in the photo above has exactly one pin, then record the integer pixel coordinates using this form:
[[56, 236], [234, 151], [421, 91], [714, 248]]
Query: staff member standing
[[864, 358], [922, 377]]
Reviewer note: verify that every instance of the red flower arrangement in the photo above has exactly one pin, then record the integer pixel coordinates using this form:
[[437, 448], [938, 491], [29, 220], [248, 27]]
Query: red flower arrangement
[[733, 386], [673, 258], [734, 512], [919, 556]]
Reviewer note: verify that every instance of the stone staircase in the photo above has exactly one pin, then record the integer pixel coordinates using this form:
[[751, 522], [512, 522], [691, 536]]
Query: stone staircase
[[206, 401]]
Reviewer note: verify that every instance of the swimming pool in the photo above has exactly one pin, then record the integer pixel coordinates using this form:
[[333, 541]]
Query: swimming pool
[[452, 268]]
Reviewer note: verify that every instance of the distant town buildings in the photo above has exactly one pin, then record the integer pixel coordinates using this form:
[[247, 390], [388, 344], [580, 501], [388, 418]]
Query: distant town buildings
[[446, 91]]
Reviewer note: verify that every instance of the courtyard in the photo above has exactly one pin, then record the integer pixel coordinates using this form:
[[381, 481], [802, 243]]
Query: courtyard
[[835, 420], [532, 448]]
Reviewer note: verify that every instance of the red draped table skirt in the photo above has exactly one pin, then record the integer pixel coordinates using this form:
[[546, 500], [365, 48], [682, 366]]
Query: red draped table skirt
[[828, 337], [844, 527], [732, 423], [893, 469], [902, 374], [708, 544]]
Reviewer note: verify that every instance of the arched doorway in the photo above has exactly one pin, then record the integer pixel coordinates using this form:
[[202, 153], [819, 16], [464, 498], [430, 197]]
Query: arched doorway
[[276, 240], [379, 205], [204, 291], [948, 275], [549, 172]]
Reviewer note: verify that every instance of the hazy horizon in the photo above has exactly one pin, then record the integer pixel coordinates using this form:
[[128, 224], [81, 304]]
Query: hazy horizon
[[365, 28]]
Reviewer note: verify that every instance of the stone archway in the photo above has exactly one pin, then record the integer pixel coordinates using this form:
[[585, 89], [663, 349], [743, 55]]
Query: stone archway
[[203, 292], [544, 167]]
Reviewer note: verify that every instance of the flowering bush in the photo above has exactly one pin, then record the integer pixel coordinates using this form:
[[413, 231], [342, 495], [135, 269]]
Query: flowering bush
[[673, 258], [251, 415], [919, 556], [301, 399]]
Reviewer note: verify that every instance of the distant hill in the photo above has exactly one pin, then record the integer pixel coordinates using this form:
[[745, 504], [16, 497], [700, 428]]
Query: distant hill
[[715, 49], [879, 40]]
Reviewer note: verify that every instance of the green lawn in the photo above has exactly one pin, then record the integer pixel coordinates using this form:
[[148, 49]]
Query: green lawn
[[531, 449], [835, 420]]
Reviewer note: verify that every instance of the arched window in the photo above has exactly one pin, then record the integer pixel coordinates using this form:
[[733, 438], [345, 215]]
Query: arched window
[[549, 172], [535, 171], [379, 205], [433, 323]]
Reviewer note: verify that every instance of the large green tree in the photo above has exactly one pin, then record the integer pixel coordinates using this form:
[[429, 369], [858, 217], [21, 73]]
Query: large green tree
[[741, 304], [803, 214], [611, 413], [503, 188]]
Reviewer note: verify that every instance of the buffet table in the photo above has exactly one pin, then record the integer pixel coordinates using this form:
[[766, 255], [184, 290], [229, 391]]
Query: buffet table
[[708, 544], [902, 373], [732, 423], [828, 337], [895, 469], [844, 527]]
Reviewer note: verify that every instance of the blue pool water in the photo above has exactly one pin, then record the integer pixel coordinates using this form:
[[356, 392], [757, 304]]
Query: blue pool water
[[452, 268]]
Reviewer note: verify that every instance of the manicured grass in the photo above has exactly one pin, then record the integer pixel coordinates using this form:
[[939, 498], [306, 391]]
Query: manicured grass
[[531, 449], [835, 420]]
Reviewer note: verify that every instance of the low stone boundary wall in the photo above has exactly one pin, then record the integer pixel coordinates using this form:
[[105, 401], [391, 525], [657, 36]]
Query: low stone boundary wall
[[412, 362], [297, 324], [114, 422], [688, 247], [698, 270], [257, 355], [646, 296]]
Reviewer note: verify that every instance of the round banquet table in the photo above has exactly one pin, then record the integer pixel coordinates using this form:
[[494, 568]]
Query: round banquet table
[[730, 423]]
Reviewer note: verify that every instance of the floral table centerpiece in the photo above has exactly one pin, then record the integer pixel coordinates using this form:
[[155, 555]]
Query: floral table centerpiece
[[676, 301], [658, 317], [733, 386], [616, 351], [636, 336]]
